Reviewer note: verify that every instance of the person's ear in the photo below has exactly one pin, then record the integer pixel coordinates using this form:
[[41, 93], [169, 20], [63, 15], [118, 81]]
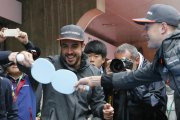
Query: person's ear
[[164, 27], [137, 60], [103, 60]]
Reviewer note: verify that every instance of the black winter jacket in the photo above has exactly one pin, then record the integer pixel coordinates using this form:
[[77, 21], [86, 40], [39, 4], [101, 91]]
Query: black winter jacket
[[165, 66], [143, 102]]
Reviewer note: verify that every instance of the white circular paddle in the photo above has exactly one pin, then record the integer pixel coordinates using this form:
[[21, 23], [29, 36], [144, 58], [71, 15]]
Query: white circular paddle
[[64, 81], [42, 70]]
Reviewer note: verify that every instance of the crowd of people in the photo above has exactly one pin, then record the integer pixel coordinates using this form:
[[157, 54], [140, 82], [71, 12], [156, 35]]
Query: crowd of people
[[127, 87]]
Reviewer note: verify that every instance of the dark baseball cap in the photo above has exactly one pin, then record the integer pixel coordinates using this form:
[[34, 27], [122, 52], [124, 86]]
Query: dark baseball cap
[[72, 32], [160, 13]]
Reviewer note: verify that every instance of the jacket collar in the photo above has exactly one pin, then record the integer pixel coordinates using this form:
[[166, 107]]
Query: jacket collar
[[166, 45], [174, 35]]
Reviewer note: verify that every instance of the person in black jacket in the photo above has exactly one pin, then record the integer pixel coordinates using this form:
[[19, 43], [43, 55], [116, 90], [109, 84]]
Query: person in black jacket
[[145, 102], [97, 51], [161, 28]]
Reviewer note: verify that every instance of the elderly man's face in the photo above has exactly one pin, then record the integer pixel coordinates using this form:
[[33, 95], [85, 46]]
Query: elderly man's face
[[127, 55]]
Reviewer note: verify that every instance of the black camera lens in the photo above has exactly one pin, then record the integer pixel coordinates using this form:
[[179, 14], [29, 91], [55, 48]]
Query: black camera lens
[[117, 65]]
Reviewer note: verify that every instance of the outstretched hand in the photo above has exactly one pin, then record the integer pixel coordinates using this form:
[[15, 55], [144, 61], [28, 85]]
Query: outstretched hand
[[91, 81]]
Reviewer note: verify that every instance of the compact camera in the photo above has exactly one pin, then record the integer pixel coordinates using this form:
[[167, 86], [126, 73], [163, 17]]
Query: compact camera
[[119, 65], [11, 33]]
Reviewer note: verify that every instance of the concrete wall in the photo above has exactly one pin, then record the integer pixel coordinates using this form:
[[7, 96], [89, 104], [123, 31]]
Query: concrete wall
[[11, 10]]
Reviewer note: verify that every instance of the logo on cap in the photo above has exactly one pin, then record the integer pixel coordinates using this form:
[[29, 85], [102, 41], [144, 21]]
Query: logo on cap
[[149, 13], [72, 32]]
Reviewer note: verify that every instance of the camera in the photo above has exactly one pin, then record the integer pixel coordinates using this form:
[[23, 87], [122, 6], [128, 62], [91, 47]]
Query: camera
[[11, 33], [119, 65]]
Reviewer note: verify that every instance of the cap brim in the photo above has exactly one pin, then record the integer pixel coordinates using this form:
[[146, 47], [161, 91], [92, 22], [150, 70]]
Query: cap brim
[[142, 21], [69, 38]]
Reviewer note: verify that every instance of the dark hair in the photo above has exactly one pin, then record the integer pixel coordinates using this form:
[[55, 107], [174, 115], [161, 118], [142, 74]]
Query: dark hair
[[96, 46]]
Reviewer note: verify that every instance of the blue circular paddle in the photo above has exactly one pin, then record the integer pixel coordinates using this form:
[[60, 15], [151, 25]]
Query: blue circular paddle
[[64, 81], [42, 70]]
